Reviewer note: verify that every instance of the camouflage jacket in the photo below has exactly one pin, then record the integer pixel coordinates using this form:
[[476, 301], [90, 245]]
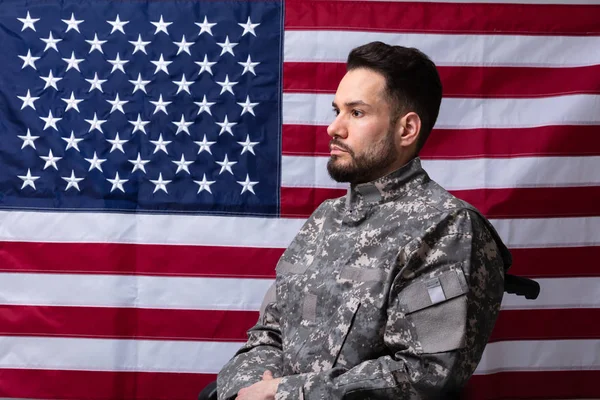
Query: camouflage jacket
[[390, 292]]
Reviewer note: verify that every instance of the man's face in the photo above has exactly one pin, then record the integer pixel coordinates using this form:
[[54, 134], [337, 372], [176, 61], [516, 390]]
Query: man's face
[[362, 145]]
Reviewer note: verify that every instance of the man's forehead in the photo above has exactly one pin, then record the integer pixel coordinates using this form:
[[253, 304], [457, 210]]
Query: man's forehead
[[360, 85]]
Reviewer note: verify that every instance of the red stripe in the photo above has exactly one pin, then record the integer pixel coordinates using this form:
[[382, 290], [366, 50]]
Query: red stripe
[[561, 140], [434, 17], [463, 81], [556, 262]]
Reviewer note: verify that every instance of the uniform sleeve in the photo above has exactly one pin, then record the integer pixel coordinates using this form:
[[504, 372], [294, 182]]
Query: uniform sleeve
[[441, 310]]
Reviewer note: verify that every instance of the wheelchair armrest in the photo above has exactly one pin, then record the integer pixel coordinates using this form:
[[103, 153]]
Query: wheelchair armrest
[[209, 392], [521, 286]]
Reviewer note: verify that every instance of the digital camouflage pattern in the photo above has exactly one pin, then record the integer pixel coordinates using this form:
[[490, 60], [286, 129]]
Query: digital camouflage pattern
[[390, 292]]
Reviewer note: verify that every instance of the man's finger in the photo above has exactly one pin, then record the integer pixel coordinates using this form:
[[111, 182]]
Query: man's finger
[[267, 375]]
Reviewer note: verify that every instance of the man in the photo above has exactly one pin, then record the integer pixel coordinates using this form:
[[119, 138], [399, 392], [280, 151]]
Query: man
[[392, 291]]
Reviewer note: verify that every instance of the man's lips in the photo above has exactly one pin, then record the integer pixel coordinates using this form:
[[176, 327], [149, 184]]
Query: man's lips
[[335, 149]]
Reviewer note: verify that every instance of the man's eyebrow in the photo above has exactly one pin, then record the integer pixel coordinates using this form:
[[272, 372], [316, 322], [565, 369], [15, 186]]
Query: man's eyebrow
[[351, 103]]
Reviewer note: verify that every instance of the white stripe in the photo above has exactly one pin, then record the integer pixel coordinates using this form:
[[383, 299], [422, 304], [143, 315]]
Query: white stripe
[[467, 113], [449, 50], [459, 174], [558, 293]]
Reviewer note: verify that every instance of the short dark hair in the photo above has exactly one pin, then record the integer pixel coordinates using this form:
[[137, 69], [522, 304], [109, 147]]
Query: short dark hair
[[412, 80]]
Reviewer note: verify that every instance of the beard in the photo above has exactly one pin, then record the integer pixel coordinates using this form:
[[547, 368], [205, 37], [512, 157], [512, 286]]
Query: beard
[[366, 166]]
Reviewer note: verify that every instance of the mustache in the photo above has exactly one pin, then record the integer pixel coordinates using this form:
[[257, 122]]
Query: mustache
[[341, 145]]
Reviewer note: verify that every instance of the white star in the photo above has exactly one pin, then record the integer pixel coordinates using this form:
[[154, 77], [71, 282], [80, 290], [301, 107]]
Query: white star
[[248, 65], [28, 22], [73, 62], [248, 28], [139, 124], [182, 165], [204, 106], [117, 183], [226, 126], [139, 163], [161, 65], [72, 181], [160, 105], [204, 184], [184, 46], [95, 83], [227, 46], [28, 180], [248, 106], [226, 165], [247, 185], [140, 45], [160, 144], [29, 60], [205, 65], [160, 184], [51, 42], [183, 85], [72, 102], [117, 104], [118, 64], [96, 44], [226, 85], [205, 27], [95, 123], [28, 139], [204, 145], [50, 81], [182, 126], [117, 25], [28, 100], [95, 162], [50, 121], [161, 26], [72, 23], [51, 160], [139, 84], [248, 145], [117, 143], [72, 141]]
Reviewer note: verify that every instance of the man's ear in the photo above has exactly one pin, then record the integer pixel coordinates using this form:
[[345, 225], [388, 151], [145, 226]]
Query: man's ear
[[408, 129]]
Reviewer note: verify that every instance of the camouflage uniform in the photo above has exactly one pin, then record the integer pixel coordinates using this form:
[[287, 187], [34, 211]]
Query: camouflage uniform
[[390, 292]]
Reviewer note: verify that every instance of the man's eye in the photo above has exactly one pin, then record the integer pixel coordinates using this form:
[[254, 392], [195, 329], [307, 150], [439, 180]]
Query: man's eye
[[336, 112], [357, 113]]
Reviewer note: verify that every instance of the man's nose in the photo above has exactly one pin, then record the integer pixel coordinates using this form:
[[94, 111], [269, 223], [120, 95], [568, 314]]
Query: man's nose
[[337, 128]]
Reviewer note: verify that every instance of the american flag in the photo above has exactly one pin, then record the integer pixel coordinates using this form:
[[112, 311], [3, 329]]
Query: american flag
[[157, 157]]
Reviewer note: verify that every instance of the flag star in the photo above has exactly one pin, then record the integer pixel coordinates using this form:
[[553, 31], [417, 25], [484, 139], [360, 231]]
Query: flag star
[[247, 185], [205, 65], [184, 46], [160, 105], [117, 143], [249, 27], [226, 165], [72, 102], [51, 42], [182, 165], [247, 106], [226, 85], [204, 106], [227, 46], [28, 140], [160, 144], [117, 104], [139, 84], [72, 23], [28, 100], [95, 83], [28, 180], [182, 126], [96, 44], [72, 181], [226, 126], [72, 141], [51, 160], [95, 123], [205, 27], [160, 184], [204, 184], [50, 121], [248, 145], [161, 65], [161, 26], [140, 45], [117, 183], [73, 62], [29, 60], [249, 65], [183, 85], [50, 80], [204, 145], [139, 163], [118, 64], [117, 25], [95, 162], [139, 125], [28, 22]]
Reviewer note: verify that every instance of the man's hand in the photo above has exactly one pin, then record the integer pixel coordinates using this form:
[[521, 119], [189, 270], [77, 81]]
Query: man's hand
[[263, 390]]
